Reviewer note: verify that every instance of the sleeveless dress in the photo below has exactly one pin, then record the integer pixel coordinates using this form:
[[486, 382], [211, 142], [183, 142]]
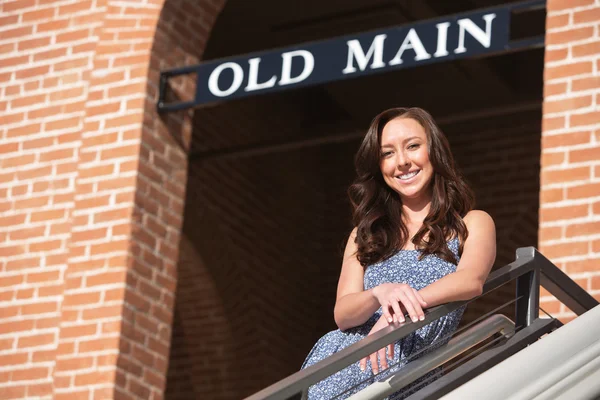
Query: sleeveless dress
[[403, 267]]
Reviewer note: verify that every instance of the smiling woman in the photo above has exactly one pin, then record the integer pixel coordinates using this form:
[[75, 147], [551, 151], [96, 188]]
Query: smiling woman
[[417, 243]]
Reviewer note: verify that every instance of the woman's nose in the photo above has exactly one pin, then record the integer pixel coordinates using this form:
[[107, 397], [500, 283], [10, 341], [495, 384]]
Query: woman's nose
[[402, 160]]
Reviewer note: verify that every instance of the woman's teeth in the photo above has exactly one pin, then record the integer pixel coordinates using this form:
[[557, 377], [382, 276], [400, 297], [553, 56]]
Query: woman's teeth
[[409, 175]]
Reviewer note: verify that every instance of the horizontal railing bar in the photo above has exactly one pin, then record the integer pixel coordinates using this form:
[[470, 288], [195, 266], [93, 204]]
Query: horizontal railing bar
[[484, 361], [457, 345], [295, 383]]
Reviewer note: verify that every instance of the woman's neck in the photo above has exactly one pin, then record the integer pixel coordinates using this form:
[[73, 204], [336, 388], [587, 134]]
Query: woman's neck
[[414, 211]]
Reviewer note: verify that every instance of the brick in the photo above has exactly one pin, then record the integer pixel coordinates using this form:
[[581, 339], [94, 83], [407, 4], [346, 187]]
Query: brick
[[103, 344], [13, 392], [583, 155], [571, 69], [75, 7], [45, 276], [16, 326], [27, 233], [98, 171], [90, 234], [595, 281], [581, 17], [94, 378], [554, 251], [46, 246], [27, 101], [556, 158], [36, 340], [565, 175], [591, 83], [79, 299], [549, 233], [24, 263], [48, 55], [63, 123], [106, 278], [563, 213], [587, 265], [590, 118], [586, 49], [574, 103], [39, 389], [583, 229], [13, 359], [556, 55], [123, 120], [122, 151], [103, 312], [556, 21], [553, 89], [39, 308], [33, 43], [69, 332], [72, 63], [559, 5]]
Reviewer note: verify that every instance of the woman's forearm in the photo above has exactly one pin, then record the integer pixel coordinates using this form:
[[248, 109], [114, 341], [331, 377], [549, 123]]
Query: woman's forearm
[[457, 286], [355, 309]]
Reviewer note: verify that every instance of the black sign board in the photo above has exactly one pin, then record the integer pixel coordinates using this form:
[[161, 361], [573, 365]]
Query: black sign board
[[442, 39]]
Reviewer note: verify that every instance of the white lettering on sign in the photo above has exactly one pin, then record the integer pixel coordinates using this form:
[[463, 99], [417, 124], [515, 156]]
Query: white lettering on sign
[[357, 59], [213, 79], [442, 39], [485, 38], [253, 77], [286, 67], [411, 41], [355, 52]]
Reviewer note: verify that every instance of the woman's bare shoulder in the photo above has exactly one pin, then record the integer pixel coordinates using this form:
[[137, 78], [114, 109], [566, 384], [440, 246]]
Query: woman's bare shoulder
[[478, 220]]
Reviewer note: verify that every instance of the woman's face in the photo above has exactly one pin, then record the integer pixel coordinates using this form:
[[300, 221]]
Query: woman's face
[[404, 158]]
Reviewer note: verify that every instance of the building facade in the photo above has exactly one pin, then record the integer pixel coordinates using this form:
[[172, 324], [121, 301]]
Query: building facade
[[95, 183]]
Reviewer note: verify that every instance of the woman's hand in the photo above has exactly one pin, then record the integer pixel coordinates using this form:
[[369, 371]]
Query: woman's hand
[[398, 296], [379, 325]]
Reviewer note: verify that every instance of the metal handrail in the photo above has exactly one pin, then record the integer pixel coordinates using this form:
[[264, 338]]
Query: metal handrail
[[456, 346], [529, 270]]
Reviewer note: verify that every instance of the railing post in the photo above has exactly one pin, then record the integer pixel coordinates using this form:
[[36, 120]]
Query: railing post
[[528, 291]]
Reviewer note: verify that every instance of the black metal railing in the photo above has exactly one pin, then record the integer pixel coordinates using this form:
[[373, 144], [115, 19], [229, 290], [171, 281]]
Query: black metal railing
[[530, 270]]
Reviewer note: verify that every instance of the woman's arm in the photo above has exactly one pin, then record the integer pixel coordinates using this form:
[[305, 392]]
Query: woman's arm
[[353, 305], [476, 261]]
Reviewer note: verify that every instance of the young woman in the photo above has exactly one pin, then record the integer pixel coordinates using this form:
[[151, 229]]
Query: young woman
[[417, 243]]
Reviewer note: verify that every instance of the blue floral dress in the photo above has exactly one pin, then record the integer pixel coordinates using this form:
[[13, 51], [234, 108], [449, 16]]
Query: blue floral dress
[[402, 267]]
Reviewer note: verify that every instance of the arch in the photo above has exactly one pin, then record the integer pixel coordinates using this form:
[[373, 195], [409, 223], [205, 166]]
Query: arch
[[117, 310]]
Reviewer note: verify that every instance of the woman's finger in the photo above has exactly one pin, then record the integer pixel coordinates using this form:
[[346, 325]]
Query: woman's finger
[[382, 359], [386, 313], [416, 304], [409, 304], [374, 365], [363, 363], [398, 314], [419, 297], [391, 351]]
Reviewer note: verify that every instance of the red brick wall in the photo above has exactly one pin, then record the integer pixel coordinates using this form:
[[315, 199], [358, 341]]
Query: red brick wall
[[570, 178], [92, 188]]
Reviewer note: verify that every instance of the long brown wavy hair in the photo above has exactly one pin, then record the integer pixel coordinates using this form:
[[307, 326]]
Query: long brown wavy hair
[[377, 209]]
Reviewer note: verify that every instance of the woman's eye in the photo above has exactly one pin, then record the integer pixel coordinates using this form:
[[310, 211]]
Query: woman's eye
[[413, 146], [385, 154]]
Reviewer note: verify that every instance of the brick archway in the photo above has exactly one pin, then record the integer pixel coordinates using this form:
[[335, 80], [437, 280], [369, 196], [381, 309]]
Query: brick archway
[[133, 163], [92, 240]]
